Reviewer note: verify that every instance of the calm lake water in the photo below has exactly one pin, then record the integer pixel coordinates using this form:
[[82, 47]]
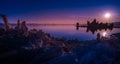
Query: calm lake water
[[70, 32]]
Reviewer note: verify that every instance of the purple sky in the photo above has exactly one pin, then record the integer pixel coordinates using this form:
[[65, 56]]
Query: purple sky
[[59, 11]]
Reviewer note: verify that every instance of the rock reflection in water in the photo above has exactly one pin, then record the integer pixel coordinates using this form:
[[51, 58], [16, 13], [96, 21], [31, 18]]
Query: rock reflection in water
[[94, 26]]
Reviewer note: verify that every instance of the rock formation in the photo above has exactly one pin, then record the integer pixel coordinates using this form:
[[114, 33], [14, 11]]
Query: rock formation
[[7, 24]]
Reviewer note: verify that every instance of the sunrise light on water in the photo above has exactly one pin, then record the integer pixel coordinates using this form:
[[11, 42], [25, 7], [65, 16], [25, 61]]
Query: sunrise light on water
[[104, 34]]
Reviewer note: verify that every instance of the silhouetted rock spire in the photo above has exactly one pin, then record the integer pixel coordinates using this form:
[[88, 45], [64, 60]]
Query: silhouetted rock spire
[[7, 24], [18, 27], [23, 26], [95, 25]]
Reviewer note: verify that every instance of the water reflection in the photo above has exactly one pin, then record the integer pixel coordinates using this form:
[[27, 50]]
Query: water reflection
[[94, 26], [70, 32], [104, 34], [95, 29]]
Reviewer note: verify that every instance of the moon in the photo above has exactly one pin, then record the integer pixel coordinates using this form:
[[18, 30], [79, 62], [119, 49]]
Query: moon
[[107, 15]]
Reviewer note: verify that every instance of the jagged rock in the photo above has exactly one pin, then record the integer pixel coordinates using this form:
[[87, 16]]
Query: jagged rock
[[7, 24], [24, 27], [18, 27]]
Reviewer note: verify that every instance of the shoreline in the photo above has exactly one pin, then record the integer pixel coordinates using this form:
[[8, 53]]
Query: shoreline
[[35, 46]]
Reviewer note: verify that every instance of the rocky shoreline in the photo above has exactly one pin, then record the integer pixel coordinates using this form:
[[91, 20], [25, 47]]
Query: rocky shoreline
[[22, 46]]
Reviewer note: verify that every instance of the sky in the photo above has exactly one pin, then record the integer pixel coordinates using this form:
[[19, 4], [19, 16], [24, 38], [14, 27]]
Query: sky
[[59, 11]]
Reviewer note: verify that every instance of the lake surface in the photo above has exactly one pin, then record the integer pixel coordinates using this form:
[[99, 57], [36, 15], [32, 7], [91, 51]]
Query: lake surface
[[70, 32]]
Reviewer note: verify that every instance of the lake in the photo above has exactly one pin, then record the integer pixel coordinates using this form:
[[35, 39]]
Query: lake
[[70, 32]]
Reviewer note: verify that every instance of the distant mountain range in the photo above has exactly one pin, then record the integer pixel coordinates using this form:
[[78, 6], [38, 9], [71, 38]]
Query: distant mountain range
[[38, 24], [116, 24], [35, 24]]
